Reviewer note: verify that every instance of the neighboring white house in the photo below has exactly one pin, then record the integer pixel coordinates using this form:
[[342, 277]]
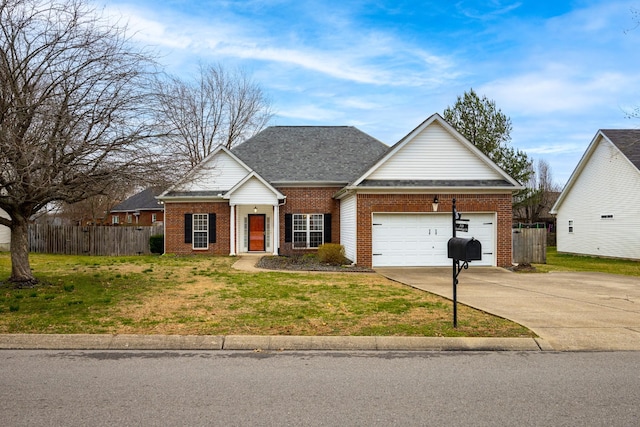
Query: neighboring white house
[[5, 234], [598, 212]]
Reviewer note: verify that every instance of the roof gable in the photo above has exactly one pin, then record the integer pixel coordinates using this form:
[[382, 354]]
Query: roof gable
[[216, 174], [310, 154], [435, 155], [253, 189], [624, 141]]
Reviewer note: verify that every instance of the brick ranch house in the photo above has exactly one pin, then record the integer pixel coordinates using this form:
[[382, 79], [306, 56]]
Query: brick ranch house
[[141, 209], [290, 189]]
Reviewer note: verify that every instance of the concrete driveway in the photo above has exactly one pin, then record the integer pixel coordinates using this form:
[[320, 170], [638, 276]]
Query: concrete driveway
[[570, 311]]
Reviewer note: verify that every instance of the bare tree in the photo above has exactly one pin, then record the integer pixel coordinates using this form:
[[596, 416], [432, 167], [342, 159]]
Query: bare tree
[[539, 195], [93, 210], [73, 112], [217, 107]]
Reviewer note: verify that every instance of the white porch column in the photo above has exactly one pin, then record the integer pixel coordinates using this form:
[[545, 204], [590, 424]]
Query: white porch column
[[232, 231], [276, 229]]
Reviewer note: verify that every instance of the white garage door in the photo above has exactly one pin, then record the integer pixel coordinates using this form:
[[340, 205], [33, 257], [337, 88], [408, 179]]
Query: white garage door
[[420, 240]]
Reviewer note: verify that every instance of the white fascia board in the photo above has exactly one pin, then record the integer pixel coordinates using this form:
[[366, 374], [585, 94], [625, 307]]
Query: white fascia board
[[308, 184], [422, 190], [188, 199], [343, 192]]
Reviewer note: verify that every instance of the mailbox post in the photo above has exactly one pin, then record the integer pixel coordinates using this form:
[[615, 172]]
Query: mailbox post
[[460, 249]]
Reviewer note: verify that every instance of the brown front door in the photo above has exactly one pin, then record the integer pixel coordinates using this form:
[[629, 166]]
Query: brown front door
[[256, 233]]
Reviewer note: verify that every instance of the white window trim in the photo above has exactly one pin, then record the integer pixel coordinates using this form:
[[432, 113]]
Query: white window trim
[[205, 231], [115, 219], [307, 230], [571, 226]]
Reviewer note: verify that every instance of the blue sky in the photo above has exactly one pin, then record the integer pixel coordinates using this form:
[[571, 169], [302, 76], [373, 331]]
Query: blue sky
[[560, 70]]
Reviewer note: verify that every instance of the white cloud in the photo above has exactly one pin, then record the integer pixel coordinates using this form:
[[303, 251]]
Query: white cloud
[[491, 10], [310, 113], [359, 104], [370, 57], [557, 89], [556, 149]]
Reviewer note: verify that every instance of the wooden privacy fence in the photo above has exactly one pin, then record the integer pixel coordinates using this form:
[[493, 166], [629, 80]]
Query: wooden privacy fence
[[529, 245], [72, 240]]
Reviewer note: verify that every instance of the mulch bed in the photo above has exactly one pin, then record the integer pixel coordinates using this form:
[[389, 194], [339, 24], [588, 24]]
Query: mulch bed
[[524, 267], [305, 263]]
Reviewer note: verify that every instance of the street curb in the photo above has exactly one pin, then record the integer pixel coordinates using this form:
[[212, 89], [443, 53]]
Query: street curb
[[266, 343]]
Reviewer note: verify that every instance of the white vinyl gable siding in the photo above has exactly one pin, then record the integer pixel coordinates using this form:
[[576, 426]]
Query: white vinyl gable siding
[[435, 154], [220, 173], [5, 234], [603, 206], [253, 191], [348, 226]]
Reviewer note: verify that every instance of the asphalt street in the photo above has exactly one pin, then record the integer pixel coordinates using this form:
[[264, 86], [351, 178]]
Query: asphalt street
[[178, 388]]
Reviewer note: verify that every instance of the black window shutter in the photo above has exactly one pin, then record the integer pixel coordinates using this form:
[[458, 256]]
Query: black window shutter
[[327, 228], [188, 228], [288, 228], [212, 228]]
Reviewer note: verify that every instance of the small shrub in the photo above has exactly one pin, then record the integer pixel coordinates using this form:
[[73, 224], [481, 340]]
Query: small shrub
[[331, 253], [156, 244]]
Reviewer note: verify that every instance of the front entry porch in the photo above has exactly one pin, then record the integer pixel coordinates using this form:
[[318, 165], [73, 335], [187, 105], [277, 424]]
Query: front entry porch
[[254, 229]]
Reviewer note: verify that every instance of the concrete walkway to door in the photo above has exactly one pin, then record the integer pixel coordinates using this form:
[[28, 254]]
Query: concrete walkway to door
[[570, 311]]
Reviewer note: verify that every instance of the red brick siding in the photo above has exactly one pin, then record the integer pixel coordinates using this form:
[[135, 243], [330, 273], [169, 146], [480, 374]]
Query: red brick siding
[[174, 227], [309, 200], [369, 203]]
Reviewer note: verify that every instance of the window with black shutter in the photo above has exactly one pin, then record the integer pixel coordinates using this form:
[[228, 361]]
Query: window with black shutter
[[212, 228], [288, 227], [188, 228], [327, 228]]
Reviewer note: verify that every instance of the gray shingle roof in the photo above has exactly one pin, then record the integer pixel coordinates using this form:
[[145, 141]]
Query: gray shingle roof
[[144, 200], [627, 141], [336, 154]]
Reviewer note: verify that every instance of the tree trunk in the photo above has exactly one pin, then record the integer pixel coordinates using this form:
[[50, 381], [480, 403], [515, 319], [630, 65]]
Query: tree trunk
[[21, 274]]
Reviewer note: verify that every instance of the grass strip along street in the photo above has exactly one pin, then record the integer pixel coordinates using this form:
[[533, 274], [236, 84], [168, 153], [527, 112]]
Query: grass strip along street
[[204, 295]]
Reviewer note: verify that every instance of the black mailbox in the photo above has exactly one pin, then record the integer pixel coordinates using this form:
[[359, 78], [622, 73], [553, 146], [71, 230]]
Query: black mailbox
[[464, 249]]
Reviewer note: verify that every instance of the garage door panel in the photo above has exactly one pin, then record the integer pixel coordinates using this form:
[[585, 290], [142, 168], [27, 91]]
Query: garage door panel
[[421, 239]]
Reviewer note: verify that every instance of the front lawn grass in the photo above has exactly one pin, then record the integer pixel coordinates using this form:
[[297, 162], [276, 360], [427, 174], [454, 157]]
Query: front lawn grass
[[565, 262], [204, 295]]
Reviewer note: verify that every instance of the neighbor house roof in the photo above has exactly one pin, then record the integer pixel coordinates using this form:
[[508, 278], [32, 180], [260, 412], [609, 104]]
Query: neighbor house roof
[[142, 201], [310, 154], [627, 141]]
